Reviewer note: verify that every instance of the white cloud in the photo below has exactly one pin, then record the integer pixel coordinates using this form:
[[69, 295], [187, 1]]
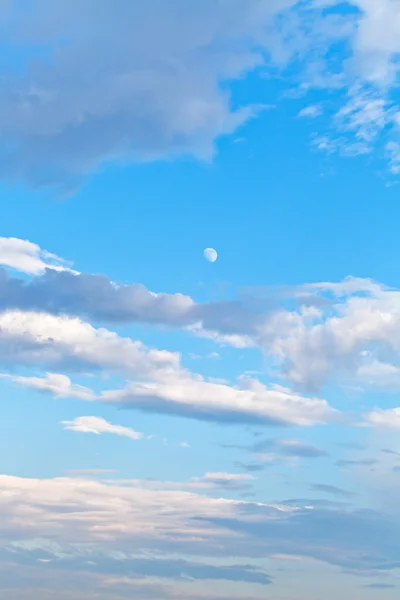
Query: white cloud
[[376, 374], [210, 355], [154, 89], [393, 154], [348, 330], [384, 418], [354, 338], [224, 339], [348, 287], [159, 383], [311, 111], [189, 395], [119, 521], [214, 355], [29, 338], [26, 257], [377, 41], [99, 425], [367, 114], [57, 384], [140, 515]]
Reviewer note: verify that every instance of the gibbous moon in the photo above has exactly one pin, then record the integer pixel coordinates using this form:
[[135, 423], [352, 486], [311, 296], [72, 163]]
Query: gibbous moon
[[210, 254]]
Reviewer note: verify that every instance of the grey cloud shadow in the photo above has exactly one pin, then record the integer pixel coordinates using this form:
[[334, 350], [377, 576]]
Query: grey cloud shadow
[[379, 586], [165, 568], [215, 414], [355, 539], [97, 298], [332, 489], [282, 448]]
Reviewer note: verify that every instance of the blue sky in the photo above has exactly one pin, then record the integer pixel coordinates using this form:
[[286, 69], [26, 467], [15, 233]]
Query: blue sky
[[173, 427]]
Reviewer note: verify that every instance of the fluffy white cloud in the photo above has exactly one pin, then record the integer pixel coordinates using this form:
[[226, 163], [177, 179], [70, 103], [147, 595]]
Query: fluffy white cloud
[[156, 87], [250, 401], [377, 40], [189, 395], [347, 287], [57, 384], [351, 337], [26, 257], [375, 374], [237, 340], [152, 90], [99, 425], [31, 338], [384, 418]]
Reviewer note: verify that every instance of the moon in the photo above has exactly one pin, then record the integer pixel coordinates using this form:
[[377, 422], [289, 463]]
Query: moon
[[210, 254]]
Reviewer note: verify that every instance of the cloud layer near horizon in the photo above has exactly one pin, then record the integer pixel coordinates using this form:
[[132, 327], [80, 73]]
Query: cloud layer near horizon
[[152, 518]]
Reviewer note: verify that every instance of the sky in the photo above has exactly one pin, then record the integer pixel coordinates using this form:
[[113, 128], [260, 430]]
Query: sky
[[199, 299]]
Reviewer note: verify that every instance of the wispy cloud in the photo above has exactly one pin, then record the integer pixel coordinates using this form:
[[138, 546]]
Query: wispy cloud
[[26, 257], [332, 490], [311, 111], [99, 425], [180, 392]]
